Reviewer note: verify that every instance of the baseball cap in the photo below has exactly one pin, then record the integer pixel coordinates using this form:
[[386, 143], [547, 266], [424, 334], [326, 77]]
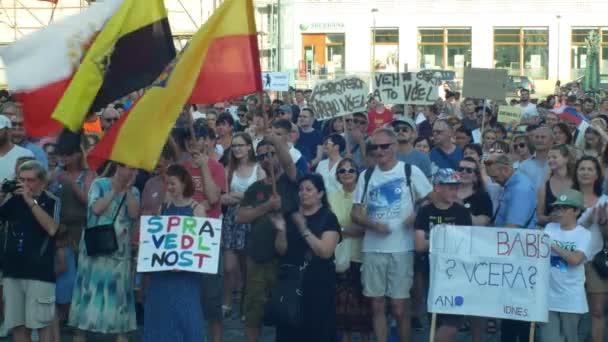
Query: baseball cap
[[570, 198], [285, 109], [5, 122], [446, 176], [406, 120]]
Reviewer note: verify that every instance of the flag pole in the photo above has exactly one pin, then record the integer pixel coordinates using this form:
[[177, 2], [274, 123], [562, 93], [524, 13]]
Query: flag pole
[[433, 327], [532, 331]]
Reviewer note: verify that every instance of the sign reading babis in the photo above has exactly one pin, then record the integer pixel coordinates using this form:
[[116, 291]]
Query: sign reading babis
[[489, 272], [339, 97], [413, 88], [184, 243]]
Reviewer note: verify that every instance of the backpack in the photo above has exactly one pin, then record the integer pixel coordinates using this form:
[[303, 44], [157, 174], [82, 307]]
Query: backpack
[[408, 181]]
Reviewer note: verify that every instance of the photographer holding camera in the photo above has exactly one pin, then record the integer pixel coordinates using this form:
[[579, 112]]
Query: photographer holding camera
[[32, 215]]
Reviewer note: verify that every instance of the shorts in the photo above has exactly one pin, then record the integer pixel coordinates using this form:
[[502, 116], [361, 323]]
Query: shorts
[[261, 278], [29, 303], [593, 282], [212, 294], [387, 274]]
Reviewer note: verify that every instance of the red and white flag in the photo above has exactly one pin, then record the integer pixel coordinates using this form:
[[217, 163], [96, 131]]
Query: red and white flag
[[40, 66]]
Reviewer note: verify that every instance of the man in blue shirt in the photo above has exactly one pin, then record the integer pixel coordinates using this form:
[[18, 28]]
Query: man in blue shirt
[[19, 135], [405, 128], [445, 155], [516, 209]]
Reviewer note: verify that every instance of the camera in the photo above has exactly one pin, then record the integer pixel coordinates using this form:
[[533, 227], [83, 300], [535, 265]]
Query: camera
[[8, 186]]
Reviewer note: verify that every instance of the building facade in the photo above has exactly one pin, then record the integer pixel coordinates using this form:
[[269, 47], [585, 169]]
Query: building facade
[[544, 40]]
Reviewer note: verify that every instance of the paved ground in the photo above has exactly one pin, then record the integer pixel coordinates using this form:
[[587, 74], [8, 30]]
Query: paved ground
[[234, 333]]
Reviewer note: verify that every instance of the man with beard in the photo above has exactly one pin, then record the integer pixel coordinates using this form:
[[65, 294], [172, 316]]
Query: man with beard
[[405, 128], [9, 152]]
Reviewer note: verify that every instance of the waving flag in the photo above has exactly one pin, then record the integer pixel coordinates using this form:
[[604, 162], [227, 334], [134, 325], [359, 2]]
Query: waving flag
[[86, 61], [221, 61]]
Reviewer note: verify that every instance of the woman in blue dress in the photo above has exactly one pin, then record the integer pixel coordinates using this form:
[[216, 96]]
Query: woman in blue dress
[[172, 309]]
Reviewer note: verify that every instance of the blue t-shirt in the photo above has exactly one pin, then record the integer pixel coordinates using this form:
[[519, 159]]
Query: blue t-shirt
[[418, 159], [447, 161], [309, 141], [518, 203]]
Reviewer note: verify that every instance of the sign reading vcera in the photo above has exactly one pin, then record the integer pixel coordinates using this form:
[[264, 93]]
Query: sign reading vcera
[[489, 272], [344, 96], [179, 243], [409, 88]]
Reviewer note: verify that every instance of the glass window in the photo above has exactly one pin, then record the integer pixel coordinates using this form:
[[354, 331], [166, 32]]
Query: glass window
[[522, 51], [444, 48], [386, 49], [334, 43], [578, 53]]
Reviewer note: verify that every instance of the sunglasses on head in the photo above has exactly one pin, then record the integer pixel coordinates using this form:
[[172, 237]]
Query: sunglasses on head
[[496, 150], [343, 171], [468, 170], [374, 147], [261, 157]]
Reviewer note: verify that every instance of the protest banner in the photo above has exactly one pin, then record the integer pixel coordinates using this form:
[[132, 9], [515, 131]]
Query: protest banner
[[406, 88], [182, 243], [485, 83], [489, 272], [508, 114], [330, 99], [275, 81]]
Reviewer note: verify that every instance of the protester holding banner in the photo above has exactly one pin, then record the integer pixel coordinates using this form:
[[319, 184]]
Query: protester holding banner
[[241, 173], [311, 243], [172, 301], [103, 298], [275, 193], [561, 162], [570, 249]]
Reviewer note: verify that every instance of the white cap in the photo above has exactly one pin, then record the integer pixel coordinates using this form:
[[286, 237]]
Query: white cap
[[5, 122]]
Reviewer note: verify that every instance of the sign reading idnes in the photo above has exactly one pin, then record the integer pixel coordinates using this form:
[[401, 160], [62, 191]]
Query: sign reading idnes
[[490, 272]]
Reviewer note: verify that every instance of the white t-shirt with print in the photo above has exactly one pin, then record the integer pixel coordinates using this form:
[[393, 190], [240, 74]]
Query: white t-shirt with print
[[567, 282], [388, 201], [9, 160]]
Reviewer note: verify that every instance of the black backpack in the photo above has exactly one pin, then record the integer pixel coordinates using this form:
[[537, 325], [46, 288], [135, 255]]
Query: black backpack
[[408, 181]]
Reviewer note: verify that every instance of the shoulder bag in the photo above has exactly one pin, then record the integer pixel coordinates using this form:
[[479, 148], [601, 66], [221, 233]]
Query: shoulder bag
[[101, 240], [600, 262]]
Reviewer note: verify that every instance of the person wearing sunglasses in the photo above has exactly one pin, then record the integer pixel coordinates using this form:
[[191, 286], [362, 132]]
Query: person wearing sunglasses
[[353, 312], [522, 150], [570, 250], [472, 193], [405, 128], [242, 123], [259, 201], [388, 244]]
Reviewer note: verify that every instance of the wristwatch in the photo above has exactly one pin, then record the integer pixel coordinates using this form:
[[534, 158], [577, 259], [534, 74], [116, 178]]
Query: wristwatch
[[34, 203]]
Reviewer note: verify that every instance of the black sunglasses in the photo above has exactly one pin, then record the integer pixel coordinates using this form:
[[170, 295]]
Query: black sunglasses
[[520, 145], [261, 157], [398, 129], [343, 171], [468, 170], [374, 147]]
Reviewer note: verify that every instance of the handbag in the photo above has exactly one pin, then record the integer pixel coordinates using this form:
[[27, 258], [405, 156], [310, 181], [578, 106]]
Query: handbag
[[342, 255], [285, 307], [600, 262], [101, 240]]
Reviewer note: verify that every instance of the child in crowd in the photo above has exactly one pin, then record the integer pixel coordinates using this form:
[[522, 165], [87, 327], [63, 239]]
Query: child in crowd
[[570, 249]]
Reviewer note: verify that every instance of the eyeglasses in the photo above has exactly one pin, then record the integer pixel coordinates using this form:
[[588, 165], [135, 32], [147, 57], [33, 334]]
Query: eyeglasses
[[360, 122], [343, 171], [15, 124], [261, 157], [437, 131], [240, 115], [238, 145], [27, 180], [348, 120], [520, 145], [468, 170], [374, 147], [401, 129]]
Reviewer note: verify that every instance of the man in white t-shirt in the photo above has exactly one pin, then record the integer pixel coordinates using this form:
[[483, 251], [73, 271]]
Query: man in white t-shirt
[[529, 110], [9, 152], [388, 245]]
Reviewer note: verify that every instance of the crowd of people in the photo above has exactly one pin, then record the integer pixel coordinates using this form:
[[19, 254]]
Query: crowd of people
[[297, 195]]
